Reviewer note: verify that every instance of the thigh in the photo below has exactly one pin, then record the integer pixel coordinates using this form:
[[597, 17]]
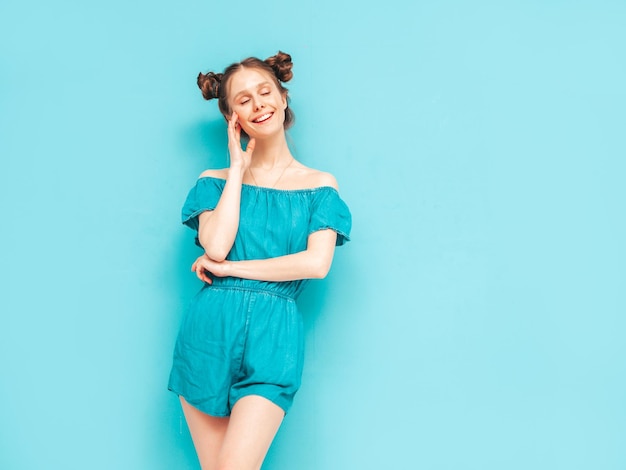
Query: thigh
[[207, 433], [253, 424]]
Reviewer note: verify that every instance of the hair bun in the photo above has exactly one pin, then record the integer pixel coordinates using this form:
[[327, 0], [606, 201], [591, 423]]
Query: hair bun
[[209, 84], [281, 65]]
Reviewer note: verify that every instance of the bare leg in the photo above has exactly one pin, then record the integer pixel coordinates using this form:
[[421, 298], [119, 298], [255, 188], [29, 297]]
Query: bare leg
[[254, 421], [207, 433]]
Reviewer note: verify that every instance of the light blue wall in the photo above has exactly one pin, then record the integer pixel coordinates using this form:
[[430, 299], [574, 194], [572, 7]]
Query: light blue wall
[[477, 319]]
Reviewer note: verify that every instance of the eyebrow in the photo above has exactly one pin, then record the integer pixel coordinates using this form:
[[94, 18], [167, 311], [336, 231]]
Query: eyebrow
[[247, 90]]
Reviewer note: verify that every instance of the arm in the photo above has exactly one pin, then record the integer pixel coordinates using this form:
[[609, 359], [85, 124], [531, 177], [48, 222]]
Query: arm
[[217, 228], [312, 263]]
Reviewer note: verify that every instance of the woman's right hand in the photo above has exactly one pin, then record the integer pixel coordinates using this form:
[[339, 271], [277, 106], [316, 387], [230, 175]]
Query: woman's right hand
[[217, 229], [239, 160]]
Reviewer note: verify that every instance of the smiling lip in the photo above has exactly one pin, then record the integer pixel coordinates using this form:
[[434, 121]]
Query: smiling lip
[[263, 118]]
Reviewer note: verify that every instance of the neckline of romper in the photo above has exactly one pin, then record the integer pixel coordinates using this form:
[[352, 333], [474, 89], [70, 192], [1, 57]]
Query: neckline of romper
[[267, 188]]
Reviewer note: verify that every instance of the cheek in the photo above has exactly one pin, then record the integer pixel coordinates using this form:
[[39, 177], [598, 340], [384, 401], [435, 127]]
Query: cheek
[[241, 111]]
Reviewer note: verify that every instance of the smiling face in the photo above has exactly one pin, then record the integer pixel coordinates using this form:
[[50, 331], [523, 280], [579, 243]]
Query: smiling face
[[258, 102]]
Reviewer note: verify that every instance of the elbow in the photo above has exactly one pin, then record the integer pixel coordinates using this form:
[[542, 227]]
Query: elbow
[[215, 252], [217, 257], [214, 246], [320, 270], [319, 275]]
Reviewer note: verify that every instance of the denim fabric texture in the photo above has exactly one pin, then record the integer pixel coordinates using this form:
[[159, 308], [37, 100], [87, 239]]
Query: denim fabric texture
[[244, 337]]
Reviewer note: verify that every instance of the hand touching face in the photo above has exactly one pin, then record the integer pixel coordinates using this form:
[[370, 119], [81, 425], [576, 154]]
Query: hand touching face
[[239, 159], [258, 103]]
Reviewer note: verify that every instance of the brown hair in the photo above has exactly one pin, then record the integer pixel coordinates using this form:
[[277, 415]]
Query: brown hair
[[215, 85]]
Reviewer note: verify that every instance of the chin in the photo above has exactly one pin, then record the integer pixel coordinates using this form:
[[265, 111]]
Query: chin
[[264, 133]]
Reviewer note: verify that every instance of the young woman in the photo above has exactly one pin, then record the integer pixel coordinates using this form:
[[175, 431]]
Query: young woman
[[266, 224]]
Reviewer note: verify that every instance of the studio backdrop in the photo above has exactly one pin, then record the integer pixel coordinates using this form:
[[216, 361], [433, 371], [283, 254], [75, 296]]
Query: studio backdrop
[[475, 321]]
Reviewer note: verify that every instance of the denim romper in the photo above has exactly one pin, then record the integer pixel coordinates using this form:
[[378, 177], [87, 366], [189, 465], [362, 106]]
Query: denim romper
[[243, 337]]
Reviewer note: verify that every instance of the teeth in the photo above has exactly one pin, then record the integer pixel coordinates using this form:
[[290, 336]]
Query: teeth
[[263, 118]]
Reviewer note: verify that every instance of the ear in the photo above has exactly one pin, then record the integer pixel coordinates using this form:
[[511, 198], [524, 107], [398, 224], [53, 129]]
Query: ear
[[284, 95]]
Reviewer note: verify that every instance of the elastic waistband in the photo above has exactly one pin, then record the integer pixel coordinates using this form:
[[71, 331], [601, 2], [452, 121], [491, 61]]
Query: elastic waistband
[[256, 289]]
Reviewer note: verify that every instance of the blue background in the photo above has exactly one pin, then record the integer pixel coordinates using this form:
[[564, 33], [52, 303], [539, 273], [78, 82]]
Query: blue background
[[476, 320]]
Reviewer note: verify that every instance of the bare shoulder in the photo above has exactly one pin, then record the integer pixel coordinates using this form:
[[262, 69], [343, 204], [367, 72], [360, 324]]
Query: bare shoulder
[[326, 179], [312, 178], [221, 173]]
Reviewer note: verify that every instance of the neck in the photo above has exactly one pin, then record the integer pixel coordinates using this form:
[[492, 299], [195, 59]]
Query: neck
[[271, 152]]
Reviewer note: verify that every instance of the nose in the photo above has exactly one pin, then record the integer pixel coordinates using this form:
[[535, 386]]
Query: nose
[[258, 103]]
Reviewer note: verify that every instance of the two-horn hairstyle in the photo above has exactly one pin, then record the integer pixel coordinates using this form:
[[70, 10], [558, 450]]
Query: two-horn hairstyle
[[278, 67]]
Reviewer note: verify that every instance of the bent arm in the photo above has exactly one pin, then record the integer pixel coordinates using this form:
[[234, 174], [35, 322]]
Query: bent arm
[[312, 263], [217, 228]]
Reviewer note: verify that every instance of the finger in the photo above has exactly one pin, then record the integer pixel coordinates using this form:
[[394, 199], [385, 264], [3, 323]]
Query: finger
[[232, 123], [234, 131], [203, 275], [251, 146]]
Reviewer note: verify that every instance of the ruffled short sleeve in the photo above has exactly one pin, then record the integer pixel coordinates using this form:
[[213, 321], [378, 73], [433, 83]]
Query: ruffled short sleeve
[[204, 196], [329, 211]]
